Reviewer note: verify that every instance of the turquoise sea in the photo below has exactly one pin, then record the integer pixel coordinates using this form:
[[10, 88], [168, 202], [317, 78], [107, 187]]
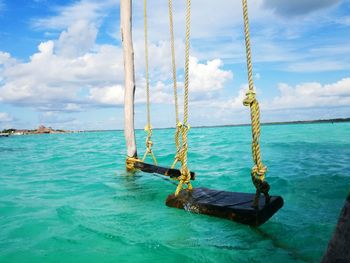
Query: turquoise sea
[[67, 198]]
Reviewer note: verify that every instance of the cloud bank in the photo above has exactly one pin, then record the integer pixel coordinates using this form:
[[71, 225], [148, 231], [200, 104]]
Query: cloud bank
[[76, 71]]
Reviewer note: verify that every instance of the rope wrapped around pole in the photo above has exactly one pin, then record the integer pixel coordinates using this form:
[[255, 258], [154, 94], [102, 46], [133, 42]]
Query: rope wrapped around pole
[[259, 170]]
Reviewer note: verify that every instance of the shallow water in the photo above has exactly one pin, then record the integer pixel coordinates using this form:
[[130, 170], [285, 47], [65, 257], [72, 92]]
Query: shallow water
[[67, 198]]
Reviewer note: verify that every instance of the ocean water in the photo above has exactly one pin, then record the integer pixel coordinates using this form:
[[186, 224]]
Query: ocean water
[[67, 198]]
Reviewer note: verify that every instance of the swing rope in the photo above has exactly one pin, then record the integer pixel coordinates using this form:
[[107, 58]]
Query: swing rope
[[185, 172], [259, 169], [148, 127], [178, 124]]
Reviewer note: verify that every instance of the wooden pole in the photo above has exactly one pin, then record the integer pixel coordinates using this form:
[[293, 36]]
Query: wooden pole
[[339, 246], [129, 73]]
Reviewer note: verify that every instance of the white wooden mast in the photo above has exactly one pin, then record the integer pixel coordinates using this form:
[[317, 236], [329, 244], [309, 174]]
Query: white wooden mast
[[129, 73]]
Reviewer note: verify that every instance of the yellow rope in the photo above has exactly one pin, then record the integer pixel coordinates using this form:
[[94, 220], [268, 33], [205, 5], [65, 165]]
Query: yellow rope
[[178, 123], [130, 163], [149, 145], [185, 172], [148, 128], [258, 170], [170, 3]]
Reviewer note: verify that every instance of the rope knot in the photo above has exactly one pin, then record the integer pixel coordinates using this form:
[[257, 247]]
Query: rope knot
[[149, 144], [259, 172], [185, 127], [250, 98], [148, 128], [258, 178], [185, 178], [185, 175], [130, 163]]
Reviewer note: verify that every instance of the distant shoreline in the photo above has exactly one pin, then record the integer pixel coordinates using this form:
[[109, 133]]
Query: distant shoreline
[[44, 130], [40, 130], [337, 120]]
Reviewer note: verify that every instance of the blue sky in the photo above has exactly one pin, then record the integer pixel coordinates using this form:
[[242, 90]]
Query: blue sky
[[61, 62]]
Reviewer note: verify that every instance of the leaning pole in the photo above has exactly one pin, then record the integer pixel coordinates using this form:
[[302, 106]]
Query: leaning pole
[[129, 76], [338, 250]]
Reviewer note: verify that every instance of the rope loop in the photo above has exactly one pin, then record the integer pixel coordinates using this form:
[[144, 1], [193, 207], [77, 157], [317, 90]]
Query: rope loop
[[185, 127], [259, 172], [149, 145], [148, 128], [262, 187], [250, 98], [185, 178], [130, 163]]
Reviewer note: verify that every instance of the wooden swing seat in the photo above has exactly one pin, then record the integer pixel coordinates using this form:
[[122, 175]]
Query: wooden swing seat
[[234, 206], [151, 168]]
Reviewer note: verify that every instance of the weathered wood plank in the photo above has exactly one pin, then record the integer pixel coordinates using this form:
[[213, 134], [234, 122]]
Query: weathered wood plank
[[234, 206], [150, 168]]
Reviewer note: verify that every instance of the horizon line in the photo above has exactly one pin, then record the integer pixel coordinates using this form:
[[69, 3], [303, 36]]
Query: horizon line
[[241, 125]]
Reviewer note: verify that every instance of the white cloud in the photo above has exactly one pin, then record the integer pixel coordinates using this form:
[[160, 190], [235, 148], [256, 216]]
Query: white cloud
[[235, 103], [5, 117], [209, 19], [78, 39], [159, 93], [312, 95], [159, 61], [205, 80], [49, 80], [217, 30], [85, 10], [72, 72], [6, 60], [207, 77], [111, 95]]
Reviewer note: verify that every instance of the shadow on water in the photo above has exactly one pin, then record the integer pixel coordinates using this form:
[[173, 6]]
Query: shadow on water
[[133, 177], [278, 244]]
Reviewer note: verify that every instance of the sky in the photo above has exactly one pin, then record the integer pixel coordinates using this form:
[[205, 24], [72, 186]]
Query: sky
[[61, 62]]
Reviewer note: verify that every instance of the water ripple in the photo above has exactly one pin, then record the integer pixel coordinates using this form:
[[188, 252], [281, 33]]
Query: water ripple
[[69, 197]]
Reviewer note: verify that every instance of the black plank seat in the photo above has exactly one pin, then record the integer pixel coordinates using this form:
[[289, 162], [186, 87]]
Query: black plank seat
[[151, 168], [234, 206]]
